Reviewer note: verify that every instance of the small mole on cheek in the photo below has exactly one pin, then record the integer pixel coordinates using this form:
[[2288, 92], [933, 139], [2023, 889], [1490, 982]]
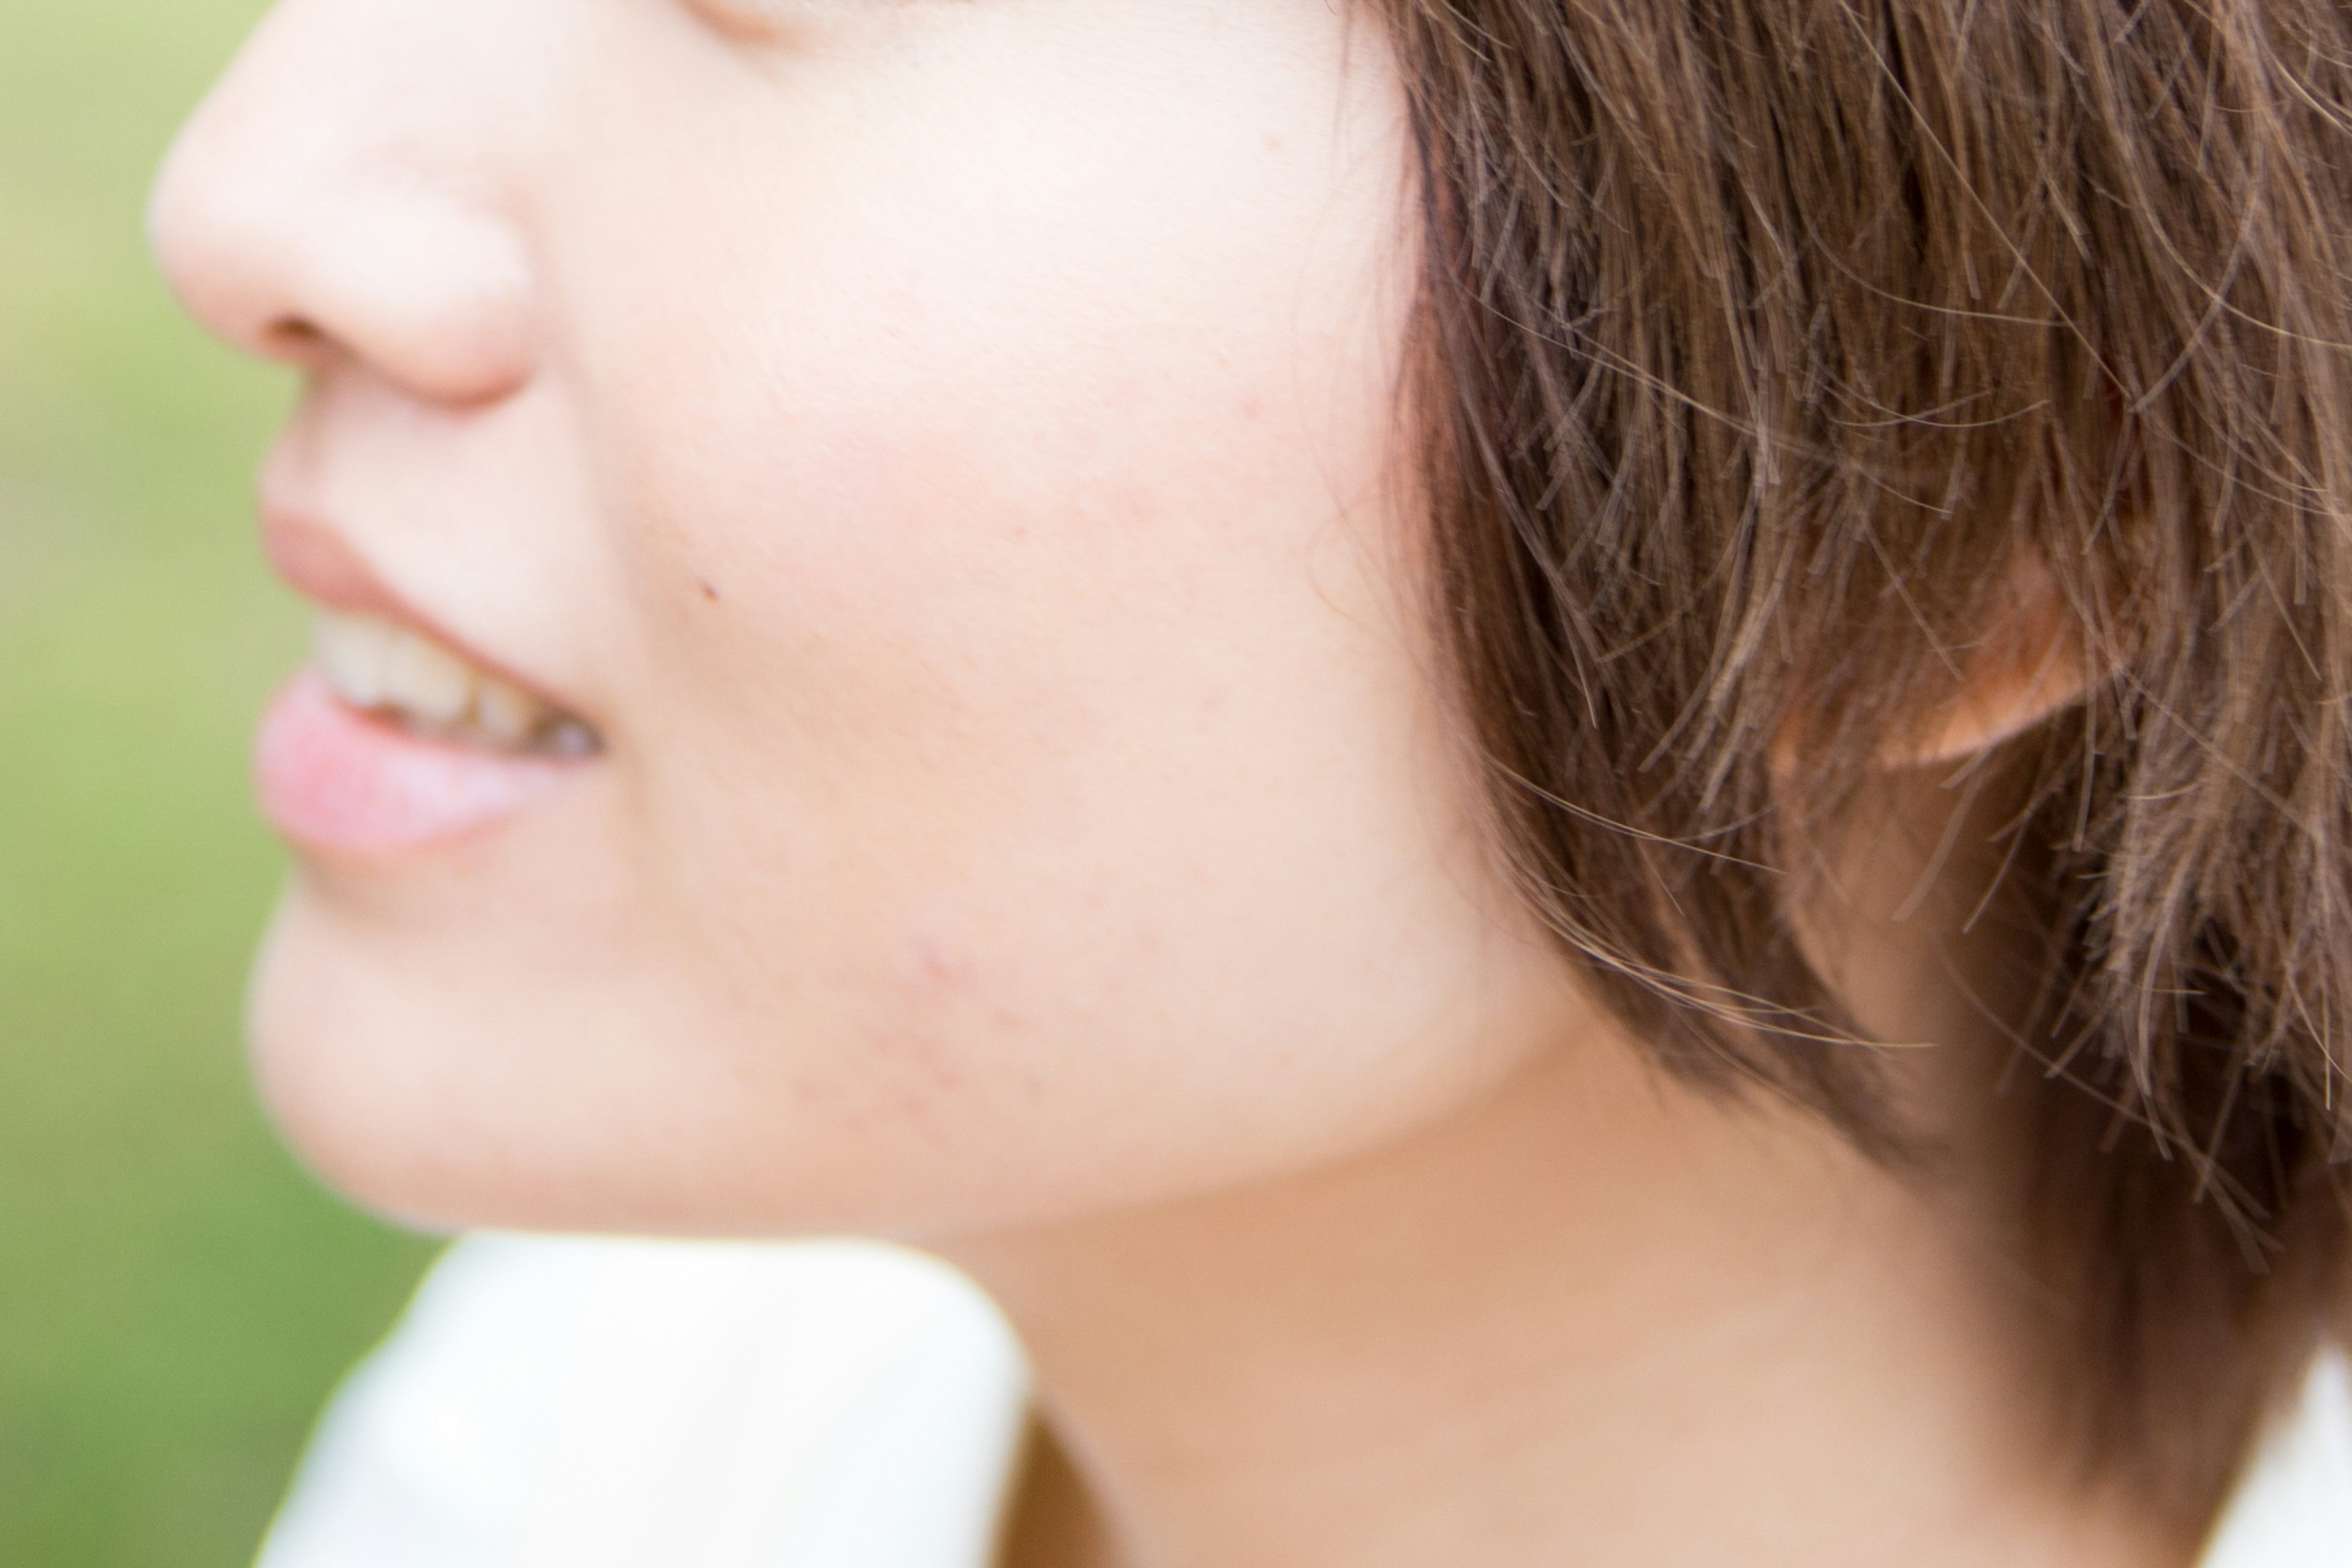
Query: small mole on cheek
[[709, 592]]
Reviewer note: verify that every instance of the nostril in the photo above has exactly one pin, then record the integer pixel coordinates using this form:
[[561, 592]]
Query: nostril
[[294, 340], [314, 252]]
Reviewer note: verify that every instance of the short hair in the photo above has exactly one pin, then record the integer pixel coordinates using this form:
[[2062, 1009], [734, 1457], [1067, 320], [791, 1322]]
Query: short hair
[[1766, 340]]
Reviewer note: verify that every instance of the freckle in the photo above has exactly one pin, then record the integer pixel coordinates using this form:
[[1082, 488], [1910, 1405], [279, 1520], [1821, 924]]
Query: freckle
[[709, 592]]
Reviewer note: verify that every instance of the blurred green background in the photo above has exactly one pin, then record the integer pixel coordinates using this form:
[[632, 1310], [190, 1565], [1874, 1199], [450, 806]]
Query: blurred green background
[[176, 1297]]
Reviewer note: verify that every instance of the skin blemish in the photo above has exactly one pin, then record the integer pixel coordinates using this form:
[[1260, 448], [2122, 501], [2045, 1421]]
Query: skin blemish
[[935, 968], [933, 988], [709, 592]]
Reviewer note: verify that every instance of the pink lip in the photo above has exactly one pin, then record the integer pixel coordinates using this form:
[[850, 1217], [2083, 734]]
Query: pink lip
[[338, 783], [315, 559]]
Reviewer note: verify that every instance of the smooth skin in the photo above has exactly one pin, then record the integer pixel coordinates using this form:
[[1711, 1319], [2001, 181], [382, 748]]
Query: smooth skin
[[954, 452]]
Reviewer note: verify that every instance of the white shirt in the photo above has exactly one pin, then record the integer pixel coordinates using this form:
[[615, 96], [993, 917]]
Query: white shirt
[[603, 1404]]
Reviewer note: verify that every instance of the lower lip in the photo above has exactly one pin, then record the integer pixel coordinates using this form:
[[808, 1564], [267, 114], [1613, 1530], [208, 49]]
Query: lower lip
[[338, 782]]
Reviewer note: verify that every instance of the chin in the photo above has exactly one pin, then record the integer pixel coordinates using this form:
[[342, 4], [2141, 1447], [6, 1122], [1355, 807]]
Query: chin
[[374, 1076], [338, 1100], [444, 1090]]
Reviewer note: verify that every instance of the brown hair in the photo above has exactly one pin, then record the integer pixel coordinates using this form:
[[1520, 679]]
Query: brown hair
[[1770, 341]]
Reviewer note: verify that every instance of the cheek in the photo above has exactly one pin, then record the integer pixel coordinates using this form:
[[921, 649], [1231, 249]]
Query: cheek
[[1029, 347], [1025, 726], [1056, 467]]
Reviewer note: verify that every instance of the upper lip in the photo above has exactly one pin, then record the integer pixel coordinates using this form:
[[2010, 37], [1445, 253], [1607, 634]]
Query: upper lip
[[324, 567]]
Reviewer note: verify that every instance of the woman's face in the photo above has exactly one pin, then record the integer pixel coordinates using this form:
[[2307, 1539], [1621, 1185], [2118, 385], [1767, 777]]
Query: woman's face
[[941, 462]]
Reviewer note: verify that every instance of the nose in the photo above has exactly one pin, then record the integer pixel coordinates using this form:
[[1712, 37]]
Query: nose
[[340, 198]]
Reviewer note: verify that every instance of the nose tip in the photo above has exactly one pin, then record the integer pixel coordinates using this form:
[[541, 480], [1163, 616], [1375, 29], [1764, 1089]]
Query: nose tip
[[283, 236]]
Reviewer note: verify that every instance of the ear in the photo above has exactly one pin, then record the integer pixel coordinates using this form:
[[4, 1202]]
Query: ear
[[2030, 662]]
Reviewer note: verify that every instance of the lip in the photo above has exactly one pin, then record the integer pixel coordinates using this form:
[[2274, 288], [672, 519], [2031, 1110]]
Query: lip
[[344, 784], [348, 786]]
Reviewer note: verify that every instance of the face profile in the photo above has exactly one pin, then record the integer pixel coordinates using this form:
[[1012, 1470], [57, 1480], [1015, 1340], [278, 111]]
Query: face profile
[[868, 661], [1503, 750]]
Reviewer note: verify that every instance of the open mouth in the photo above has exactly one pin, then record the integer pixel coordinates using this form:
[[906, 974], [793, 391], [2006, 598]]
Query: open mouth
[[384, 668], [391, 741]]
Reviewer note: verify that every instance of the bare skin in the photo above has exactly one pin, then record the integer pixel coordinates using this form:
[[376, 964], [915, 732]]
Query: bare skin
[[1757, 1348], [1762, 1353]]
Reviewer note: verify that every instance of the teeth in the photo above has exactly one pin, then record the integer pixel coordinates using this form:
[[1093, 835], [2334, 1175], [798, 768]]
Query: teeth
[[507, 714], [374, 664], [350, 651], [426, 681]]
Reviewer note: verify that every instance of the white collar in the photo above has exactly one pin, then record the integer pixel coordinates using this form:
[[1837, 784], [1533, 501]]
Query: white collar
[[2293, 1507]]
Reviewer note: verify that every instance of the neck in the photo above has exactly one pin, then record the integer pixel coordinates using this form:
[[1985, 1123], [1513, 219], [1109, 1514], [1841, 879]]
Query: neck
[[1589, 1319]]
